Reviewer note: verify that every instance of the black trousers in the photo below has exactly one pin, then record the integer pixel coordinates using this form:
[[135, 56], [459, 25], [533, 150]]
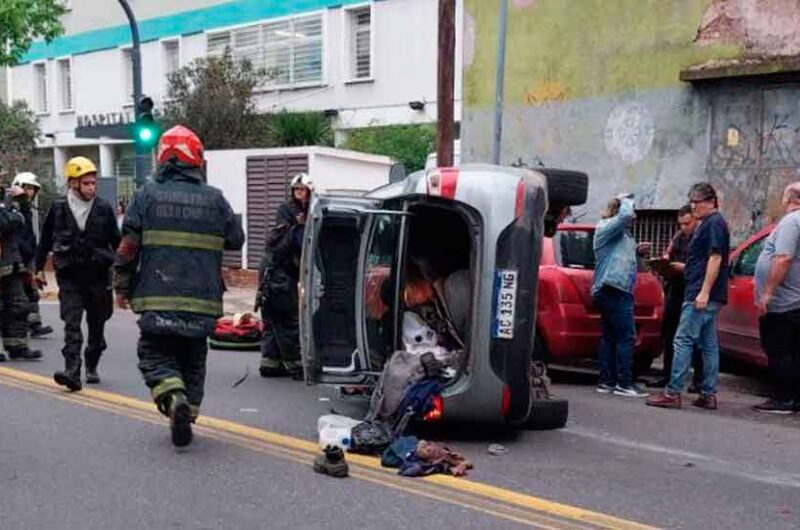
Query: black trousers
[[34, 315], [97, 302], [669, 327], [171, 363], [14, 307], [780, 339]]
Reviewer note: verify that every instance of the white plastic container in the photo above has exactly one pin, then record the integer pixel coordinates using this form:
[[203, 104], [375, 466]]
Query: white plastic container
[[335, 430]]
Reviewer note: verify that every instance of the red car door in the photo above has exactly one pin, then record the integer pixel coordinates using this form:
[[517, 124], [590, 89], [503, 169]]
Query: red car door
[[738, 321]]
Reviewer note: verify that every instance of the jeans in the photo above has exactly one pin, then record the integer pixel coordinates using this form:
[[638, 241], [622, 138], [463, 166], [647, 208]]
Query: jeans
[[619, 336], [780, 340], [696, 328], [673, 306]]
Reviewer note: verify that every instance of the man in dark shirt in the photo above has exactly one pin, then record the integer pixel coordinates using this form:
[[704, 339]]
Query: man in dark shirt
[[674, 288], [706, 279]]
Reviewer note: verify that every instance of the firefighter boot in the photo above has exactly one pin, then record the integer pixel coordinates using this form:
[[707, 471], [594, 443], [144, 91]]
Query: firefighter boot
[[38, 330], [24, 354], [92, 378], [70, 377], [180, 419]]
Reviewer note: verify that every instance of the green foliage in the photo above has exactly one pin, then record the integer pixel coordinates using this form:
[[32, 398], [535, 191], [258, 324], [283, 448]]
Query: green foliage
[[409, 144], [213, 96], [292, 129], [22, 21], [18, 134]]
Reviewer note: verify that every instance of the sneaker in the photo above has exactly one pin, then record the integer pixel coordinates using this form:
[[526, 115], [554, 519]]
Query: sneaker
[[630, 391], [665, 400], [69, 380], [332, 462], [603, 388], [706, 401], [772, 406], [40, 331], [180, 420], [25, 355]]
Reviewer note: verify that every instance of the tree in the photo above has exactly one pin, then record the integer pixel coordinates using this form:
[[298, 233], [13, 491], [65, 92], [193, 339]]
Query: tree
[[213, 96], [409, 144], [18, 134], [292, 129], [22, 21]]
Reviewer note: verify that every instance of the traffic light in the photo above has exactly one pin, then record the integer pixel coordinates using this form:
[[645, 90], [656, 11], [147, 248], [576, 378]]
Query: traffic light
[[145, 130]]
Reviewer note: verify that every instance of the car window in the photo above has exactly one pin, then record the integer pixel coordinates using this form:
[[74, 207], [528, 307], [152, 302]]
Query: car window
[[575, 249], [746, 263], [379, 287]]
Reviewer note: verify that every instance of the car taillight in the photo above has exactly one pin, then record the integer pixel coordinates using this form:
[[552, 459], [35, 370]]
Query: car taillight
[[505, 406], [519, 202], [442, 182], [435, 414]]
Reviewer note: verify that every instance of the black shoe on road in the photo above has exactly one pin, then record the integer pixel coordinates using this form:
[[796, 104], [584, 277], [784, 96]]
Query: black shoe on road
[[40, 331], [25, 355], [3, 358], [69, 380], [180, 421], [331, 463], [268, 371], [771, 406], [658, 383], [91, 377]]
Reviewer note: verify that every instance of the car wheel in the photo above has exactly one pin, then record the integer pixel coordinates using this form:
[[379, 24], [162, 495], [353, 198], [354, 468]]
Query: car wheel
[[565, 187], [547, 414]]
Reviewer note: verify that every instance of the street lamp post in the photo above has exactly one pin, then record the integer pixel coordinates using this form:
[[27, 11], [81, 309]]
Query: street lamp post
[[499, 82], [136, 57]]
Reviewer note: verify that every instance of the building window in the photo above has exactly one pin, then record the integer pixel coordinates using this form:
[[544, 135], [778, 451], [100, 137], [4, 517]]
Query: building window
[[170, 61], [360, 43], [65, 84], [291, 49], [127, 75], [656, 227], [40, 81]]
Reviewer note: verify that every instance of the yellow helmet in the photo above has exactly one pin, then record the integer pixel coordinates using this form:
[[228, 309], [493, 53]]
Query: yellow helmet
[[78, 167]]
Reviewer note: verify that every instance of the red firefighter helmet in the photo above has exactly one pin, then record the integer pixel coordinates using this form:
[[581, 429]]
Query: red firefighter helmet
[[181, 143]]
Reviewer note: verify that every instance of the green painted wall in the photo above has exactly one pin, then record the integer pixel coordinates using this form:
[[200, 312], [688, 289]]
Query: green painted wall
[[567, 49]]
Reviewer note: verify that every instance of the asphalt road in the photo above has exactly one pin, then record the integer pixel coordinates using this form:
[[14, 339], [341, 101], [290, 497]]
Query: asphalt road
[[103, 459]]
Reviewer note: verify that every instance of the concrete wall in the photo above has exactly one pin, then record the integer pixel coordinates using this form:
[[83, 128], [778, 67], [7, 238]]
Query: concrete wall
[[595, 86], [342, 172]]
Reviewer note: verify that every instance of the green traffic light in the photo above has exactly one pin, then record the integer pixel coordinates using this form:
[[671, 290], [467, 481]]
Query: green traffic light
[[145, 134]]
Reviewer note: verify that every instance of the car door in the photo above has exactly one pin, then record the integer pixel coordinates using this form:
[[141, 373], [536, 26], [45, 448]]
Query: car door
[[738, 321], [335, 276]]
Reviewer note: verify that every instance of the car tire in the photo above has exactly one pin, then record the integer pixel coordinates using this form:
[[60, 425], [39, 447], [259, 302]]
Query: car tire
[[565, 187], [547, 414]]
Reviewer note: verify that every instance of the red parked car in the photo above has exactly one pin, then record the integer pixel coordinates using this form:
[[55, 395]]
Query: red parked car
[[568, 323], [738, 321]]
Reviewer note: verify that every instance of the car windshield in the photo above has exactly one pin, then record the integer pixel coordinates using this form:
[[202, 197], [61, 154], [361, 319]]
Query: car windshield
[[574, 248]]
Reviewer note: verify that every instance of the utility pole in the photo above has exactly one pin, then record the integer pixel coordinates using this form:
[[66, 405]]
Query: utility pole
[[446, 82], [136, 57], [499, 82]]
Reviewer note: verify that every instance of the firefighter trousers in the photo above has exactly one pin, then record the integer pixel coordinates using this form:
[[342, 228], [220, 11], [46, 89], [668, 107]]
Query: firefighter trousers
[[171, 363], [14, 307], [97, 302], [34, 315]]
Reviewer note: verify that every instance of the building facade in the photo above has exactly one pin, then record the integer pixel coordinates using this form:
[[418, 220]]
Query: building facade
[[646, 96], [365, 62]]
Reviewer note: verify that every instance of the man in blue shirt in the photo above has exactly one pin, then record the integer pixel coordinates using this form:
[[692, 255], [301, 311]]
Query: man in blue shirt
[[706, 278], [612, 290]]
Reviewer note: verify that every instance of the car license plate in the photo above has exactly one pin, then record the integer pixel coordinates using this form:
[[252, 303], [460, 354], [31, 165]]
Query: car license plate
[[505, 303]]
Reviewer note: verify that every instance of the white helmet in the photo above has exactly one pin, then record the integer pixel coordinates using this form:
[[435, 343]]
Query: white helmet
[[26, 179], [302, 180]]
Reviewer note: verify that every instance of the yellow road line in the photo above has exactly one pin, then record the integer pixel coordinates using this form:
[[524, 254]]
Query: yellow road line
[[490, 499]]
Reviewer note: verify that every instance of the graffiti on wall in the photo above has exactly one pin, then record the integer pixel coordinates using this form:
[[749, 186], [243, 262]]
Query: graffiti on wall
[[629, 132]]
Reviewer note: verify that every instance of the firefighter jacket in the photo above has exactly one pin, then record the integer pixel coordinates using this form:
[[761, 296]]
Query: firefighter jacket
[[80, 257], [11, 224], [169, 264], [27, 239]]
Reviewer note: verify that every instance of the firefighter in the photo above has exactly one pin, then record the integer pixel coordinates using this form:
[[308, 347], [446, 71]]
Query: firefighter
[[81, 230], [279, 274], [14, 305], [169, 271], [30, 184]]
